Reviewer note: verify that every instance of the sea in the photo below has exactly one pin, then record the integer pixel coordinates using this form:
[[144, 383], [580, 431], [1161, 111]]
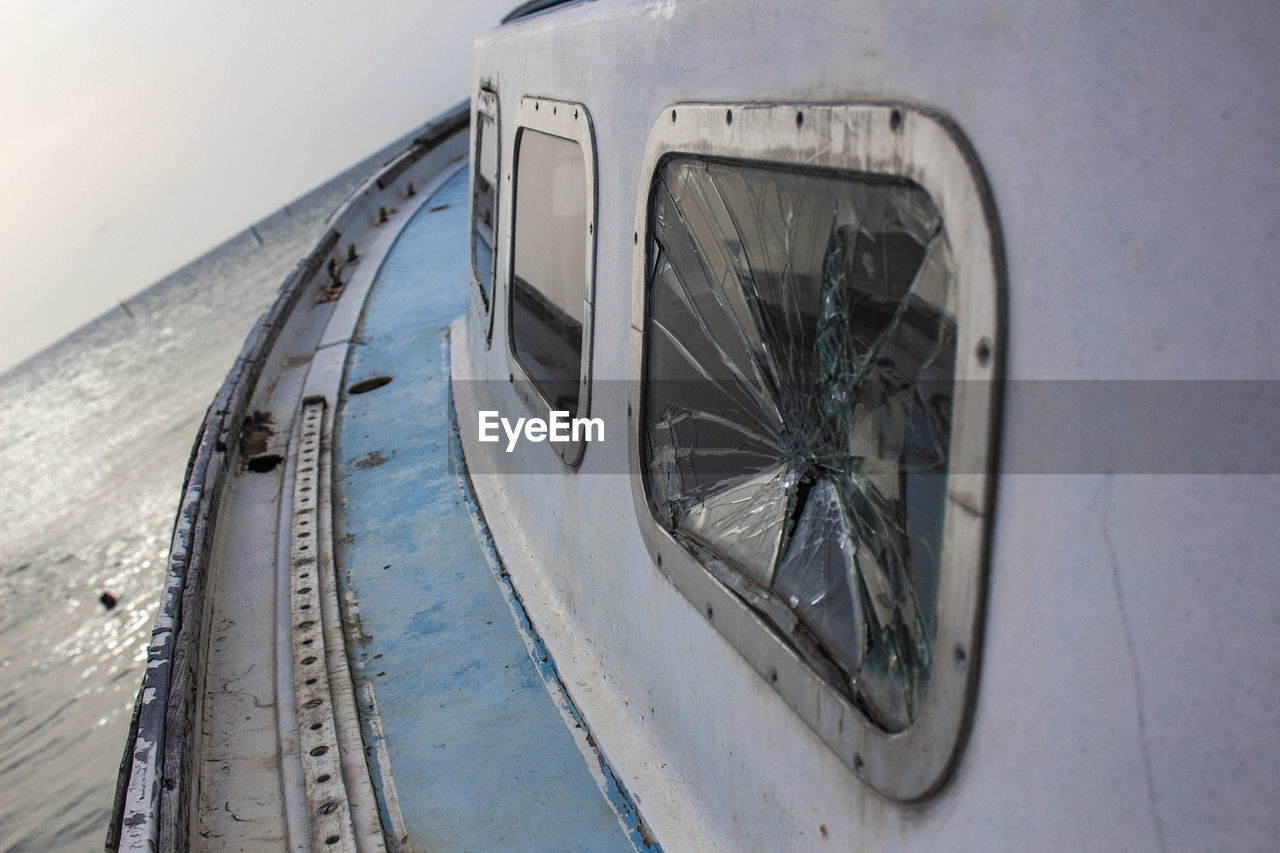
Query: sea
[[95, 433]]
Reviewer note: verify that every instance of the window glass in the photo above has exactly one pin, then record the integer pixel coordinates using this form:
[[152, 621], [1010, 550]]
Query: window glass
[[799, 368], [484, 205], [549, 267]]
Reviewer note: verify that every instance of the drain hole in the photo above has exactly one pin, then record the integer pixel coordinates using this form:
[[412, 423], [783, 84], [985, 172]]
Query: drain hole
[[315, 727], [369, 385], [307, 661], [314, 703], [311, 681], [328, 808], [264, 463], [302, 626], [320, 750], [332, 839], [323, 777]]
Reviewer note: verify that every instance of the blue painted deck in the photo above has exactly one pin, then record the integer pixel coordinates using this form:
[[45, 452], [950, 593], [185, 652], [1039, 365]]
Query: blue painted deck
[[480, 752]]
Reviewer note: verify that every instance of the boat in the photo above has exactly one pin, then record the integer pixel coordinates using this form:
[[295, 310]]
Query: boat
[[756, 427]]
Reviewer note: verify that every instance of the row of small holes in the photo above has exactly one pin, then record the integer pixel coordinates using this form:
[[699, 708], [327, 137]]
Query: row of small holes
[[304, 504]]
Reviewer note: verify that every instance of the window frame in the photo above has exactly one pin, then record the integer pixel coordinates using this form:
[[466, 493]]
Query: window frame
[[572, 121], [895, 140], [486, 104]]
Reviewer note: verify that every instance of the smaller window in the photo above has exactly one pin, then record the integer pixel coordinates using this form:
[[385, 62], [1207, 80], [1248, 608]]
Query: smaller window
[[549, 284], [484, 199], [552, 259]]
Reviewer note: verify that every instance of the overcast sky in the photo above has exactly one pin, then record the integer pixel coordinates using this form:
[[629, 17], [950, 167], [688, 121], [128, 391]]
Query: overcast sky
[[137, 134]]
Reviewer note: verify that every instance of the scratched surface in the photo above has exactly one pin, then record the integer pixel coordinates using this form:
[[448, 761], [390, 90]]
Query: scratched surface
[[480, 754]]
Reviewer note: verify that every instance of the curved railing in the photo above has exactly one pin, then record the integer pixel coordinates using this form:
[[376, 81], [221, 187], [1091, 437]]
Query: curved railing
[[153, 790]]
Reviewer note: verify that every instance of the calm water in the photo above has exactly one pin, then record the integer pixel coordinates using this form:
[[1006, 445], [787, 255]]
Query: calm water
[[94, 438]]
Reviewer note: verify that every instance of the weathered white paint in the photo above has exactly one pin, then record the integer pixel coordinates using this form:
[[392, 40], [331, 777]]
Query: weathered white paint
[[1128, 695]]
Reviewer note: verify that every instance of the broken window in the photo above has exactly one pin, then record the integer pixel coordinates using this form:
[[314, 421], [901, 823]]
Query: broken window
[[549, 270], [799, 368], [484, 205]]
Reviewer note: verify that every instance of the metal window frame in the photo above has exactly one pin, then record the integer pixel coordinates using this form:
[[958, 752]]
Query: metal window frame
[[898, 140], [567, 120], [486, 104]]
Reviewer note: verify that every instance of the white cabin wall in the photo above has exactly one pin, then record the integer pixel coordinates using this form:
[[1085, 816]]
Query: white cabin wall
[[1128, 688]]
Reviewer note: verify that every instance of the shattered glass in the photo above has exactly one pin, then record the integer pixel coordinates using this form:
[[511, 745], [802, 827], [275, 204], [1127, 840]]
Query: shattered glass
[[799, 368]]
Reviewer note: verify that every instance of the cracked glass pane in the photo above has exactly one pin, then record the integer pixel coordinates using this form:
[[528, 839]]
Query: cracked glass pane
[[549, 285], [799, 364], [484, 205]]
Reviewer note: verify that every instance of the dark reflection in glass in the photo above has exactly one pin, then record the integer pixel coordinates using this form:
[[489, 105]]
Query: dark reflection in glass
[[484, 205], [800, 356], [549, 285]]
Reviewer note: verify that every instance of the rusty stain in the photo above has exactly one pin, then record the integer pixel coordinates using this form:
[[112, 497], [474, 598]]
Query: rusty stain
[[372, 459], [255, 434]]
